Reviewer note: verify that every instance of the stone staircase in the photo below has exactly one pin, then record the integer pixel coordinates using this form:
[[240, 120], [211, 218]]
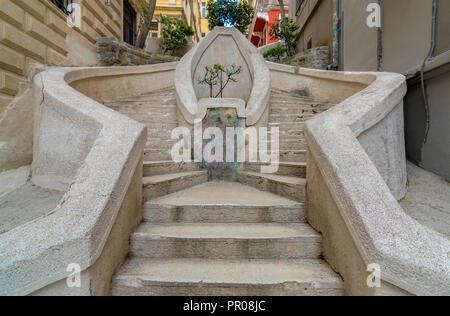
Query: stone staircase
[[288, 112], [223, 238], [158, 112]]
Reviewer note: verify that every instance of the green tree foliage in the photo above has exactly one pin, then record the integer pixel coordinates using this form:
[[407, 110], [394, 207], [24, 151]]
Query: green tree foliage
[[230, 13], [216, 75], [275, 53], [145, 22], [174, 33], [286, 31]]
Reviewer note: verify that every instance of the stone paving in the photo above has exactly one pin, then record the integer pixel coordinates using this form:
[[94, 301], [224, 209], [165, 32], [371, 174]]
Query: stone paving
[[428, 199]]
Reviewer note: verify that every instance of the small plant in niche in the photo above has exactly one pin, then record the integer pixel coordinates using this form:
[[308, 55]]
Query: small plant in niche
[[219, 75]]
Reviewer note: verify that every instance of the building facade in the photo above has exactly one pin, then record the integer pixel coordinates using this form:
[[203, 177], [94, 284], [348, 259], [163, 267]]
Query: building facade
[[267, 13], [192, 12], [274, 17], [204, 18], [413, 39], [63, 33], [170, 8], [35, 33]]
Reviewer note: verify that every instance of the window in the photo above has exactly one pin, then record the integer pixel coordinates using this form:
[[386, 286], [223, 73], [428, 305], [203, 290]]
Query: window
[[298, 6], [204, 10], [154, 28], [64, 5], [129, 23], [309, 44], [442, 26]]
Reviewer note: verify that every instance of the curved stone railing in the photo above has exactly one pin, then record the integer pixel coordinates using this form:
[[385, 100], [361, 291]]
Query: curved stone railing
[[350, 192], [224, 46], [95, 155]]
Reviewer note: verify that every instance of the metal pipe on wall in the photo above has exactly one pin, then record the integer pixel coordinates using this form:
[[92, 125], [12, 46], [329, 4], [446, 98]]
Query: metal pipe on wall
[[336, 28], [422, 80]]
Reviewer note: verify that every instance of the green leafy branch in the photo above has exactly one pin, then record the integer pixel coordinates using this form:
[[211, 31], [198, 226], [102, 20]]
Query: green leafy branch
[[286, 31], [174, 33], [216, 75]]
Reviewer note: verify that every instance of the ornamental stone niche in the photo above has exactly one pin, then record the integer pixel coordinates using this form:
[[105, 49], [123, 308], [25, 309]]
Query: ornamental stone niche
[[243, 102], [225, 46]]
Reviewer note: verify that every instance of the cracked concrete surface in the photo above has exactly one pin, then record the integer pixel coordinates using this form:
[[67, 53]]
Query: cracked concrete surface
[[224, 193], [428, 199], [25, 204]]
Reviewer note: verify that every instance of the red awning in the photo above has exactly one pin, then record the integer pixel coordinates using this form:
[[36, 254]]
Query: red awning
[[259, 25], [255, 40]]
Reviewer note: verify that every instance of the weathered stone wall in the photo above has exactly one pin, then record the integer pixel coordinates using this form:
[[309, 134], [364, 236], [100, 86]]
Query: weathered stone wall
[[35, 33], [340, 249], [112, 196], [113, 52], [316, 58]]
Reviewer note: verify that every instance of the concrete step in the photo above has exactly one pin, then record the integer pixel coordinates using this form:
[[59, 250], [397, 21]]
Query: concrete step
[[158, 133], [302, 117], [290, 152], [151, 121], [297, 103], [292, 155], [293, 145], [158, 142], [165, 126], [288, 129], [274, 96], [226, 241], [290, 143], [293, 169], [287, 125], [167, 93], [145, 97], [130, 108], [283, 103], [159, 94], [295, 110], [153, 95], [160, 185], [149, 103], [200, 277], [153, 118], [298, 117], [219, 213], [292, 133], [287, 118], [157, 154], [172, 111], [223, 202], [154, 168], [290, 187]]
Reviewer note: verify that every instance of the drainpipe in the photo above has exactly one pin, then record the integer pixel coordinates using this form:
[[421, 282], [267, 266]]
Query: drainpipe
[[336, 26], [422, 79], [380, 38]]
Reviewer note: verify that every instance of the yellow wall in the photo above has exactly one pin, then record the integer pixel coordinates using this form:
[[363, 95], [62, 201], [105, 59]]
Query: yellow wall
[[203, 21], [204, 26], [168, 7], [35, 33], [195, 18], [173, 8]]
